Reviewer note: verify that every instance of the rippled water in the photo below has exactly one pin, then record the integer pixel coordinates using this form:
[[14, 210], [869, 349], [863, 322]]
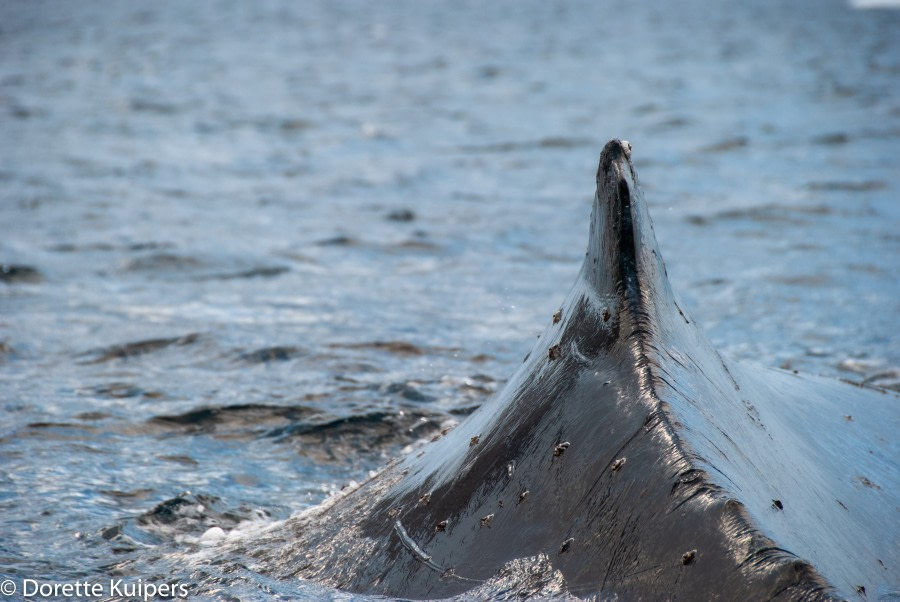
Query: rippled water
[[251, 250]]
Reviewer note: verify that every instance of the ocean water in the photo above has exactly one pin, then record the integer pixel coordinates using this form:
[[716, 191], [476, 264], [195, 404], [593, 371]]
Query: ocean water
[[251, 251]]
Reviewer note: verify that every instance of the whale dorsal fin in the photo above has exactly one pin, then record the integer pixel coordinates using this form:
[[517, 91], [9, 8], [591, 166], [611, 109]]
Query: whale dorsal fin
[[625, 458]]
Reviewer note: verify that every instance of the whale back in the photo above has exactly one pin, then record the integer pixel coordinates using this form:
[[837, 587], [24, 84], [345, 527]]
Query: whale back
[[624, 457]]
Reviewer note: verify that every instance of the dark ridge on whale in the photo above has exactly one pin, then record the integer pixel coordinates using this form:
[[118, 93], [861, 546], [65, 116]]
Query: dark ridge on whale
[[624, 459]]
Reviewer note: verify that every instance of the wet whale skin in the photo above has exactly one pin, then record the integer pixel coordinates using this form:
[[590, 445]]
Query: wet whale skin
[[625, 458]]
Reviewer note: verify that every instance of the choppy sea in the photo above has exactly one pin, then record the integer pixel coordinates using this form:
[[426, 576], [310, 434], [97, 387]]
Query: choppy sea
[[251, 251]]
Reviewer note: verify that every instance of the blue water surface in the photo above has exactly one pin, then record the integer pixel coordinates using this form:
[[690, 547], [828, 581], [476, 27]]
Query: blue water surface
[[251, 251]]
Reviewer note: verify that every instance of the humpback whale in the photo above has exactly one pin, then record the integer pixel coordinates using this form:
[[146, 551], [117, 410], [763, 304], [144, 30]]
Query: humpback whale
[[625, 459]]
